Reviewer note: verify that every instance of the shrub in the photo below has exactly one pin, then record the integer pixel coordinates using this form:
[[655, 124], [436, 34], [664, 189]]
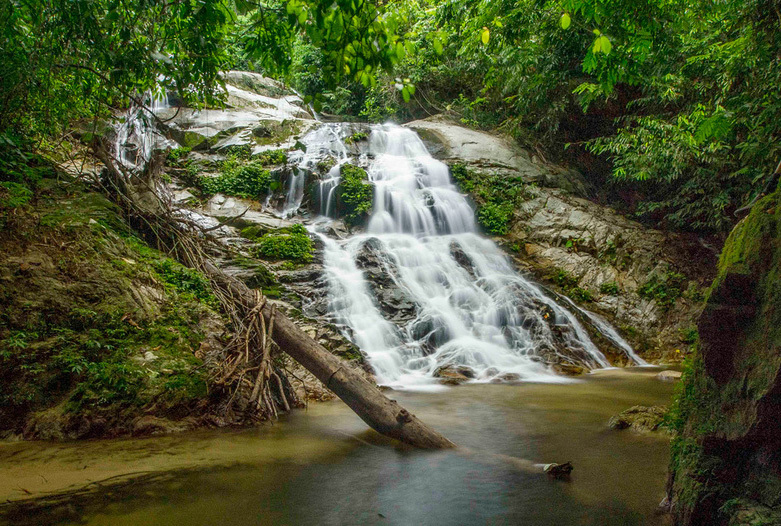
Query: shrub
[[294, 244], [270, 157], [664, 290], [582, 295], [177, 155], [356, 193], [495, 218], [249, 180]]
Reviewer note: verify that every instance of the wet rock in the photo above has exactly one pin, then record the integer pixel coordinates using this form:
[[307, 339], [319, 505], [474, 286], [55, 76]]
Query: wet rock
[[462, 258], [639, 418], [559, 471], [394, 303], [669, 376], [454, 375], [568, 369]]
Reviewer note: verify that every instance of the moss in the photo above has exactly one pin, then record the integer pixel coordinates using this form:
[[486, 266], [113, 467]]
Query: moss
[[82, 312], [356, 137], [356, 194], [721, 395]]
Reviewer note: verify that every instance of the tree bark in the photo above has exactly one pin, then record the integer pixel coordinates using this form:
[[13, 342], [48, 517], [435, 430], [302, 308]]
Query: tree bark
[[382, 414]]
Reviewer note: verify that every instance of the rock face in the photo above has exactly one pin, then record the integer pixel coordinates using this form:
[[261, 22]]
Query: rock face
[[450, 142], [588, 251], [726, 462]]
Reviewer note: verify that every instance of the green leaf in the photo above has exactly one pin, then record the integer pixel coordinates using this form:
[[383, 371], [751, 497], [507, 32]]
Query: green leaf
[[438, 48], [485, 35], [565, 21], [602, 45], [302, 16], [405, 94]]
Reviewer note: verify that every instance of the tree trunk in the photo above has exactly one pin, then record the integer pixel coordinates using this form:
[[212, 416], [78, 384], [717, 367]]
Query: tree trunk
[[382, 414]]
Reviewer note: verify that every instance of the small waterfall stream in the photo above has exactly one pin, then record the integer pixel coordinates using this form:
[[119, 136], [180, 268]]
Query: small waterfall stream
[[456, 299]]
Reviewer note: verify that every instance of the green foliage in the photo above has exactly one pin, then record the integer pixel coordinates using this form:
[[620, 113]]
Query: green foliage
[[356, 137], [689, 335], [495, 217], [13, 195], [293, 243], [610, 288], [580, 294], [497, 196], [356, 193], [239, 178], [177, 155], [564, 279], [270, 157], [665, 289]]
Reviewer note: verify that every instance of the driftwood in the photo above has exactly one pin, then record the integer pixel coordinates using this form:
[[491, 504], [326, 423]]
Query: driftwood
[[382, 414]]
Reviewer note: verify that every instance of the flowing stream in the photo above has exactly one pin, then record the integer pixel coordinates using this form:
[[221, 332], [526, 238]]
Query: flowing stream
[[467, 307]]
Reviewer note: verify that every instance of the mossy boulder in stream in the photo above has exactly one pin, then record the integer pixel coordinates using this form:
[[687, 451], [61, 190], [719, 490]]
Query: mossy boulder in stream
[[726, 457]]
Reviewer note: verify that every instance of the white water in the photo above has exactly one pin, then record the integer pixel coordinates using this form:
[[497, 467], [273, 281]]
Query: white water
[[137, 135], [471, 308]]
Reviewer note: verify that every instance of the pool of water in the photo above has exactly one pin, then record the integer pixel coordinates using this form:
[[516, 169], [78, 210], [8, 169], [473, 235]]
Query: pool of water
[[323, 466]]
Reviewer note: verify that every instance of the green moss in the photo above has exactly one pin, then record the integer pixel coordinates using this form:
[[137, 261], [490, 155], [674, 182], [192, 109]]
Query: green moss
[[610, 288], [356, 194], [250, 180], [294, 244], [704, 409]]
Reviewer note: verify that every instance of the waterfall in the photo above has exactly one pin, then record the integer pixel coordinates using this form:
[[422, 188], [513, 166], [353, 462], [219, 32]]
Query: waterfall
[[421, 289], [137, 134]]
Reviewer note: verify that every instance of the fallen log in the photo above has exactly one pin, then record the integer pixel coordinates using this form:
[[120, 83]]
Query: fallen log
[[383, 415]]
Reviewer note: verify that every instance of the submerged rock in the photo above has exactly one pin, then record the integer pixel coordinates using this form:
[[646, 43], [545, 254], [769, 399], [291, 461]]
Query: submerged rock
[[669, 376], [639, 418]]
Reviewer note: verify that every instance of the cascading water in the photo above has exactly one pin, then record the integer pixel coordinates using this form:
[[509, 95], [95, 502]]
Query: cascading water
[[325, 142], [462, 303], [137, 135]]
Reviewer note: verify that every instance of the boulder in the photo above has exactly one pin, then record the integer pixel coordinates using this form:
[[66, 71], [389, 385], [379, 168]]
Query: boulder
[[639, 418], [454, 375]]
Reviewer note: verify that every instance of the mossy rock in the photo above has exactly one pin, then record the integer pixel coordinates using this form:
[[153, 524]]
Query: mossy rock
[[727, 410]]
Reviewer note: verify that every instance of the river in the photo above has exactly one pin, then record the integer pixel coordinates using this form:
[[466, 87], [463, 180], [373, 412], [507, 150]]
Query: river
[[324, 466]]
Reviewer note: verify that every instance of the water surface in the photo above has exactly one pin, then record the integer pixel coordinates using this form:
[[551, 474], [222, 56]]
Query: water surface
[[322, 466]]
